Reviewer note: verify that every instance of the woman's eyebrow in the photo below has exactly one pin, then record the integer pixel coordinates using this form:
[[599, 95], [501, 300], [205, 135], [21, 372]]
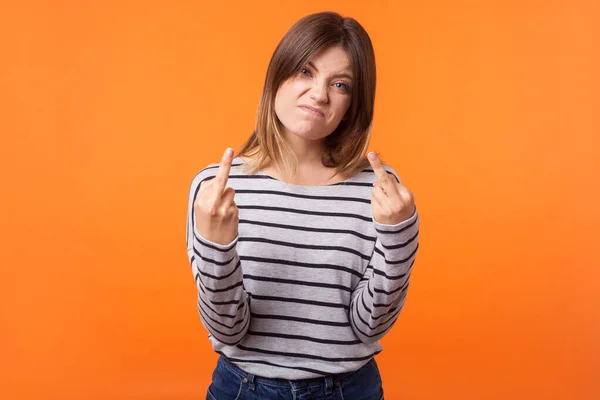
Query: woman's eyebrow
[[340, 75]]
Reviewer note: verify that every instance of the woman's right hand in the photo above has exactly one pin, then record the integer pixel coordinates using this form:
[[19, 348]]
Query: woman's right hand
[[216, 212]]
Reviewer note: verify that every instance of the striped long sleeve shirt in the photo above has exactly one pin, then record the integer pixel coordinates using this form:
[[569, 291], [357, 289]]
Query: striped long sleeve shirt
[[310, 283]]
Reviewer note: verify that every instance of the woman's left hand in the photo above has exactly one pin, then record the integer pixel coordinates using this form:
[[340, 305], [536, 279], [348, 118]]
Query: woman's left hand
[[392, 202]]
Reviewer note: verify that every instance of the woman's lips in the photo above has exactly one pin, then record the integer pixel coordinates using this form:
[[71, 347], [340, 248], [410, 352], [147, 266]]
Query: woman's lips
[[312, 111]]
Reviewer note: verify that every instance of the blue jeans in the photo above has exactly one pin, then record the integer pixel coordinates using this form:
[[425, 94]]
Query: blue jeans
[[229, 382]]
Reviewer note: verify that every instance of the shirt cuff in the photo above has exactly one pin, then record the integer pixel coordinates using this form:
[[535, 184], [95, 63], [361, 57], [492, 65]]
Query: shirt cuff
[[204, 241]]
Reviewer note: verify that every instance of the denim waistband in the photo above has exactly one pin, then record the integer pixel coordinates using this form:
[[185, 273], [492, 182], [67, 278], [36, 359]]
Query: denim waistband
[[311, 382]]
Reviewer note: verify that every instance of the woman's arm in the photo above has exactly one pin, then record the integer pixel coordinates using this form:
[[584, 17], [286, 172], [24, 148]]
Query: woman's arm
[[381, 293], [380, 296], [222, 302]]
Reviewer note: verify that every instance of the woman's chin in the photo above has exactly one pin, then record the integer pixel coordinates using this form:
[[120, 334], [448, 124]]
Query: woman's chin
[[307, 133]]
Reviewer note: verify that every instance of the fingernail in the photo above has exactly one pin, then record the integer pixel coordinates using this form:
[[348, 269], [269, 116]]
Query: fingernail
[[229, 152], [372, 156]]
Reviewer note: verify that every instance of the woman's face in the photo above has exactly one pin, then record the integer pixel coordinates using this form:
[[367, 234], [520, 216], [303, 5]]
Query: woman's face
[[325, 85]]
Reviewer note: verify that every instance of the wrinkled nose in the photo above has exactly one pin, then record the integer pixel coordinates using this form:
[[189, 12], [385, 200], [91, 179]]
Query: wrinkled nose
[[319, 93]]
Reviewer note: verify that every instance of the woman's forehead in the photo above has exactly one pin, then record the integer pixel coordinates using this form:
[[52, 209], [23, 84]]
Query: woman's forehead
[[333, 58]]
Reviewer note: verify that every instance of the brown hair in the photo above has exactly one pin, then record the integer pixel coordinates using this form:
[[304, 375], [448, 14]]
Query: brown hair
[[344, 149]]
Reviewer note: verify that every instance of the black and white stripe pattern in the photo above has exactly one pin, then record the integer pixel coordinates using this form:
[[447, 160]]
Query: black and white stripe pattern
[[311, 282]]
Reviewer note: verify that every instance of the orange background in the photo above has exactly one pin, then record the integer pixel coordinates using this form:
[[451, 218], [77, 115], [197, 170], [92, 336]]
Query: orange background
[[488, 110]]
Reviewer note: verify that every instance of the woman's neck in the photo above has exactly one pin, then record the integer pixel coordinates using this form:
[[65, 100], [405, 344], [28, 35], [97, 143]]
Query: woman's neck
[[307, 173]]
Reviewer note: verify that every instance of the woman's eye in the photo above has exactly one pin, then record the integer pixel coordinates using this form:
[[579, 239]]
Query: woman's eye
[[305, 71], [342, 86]]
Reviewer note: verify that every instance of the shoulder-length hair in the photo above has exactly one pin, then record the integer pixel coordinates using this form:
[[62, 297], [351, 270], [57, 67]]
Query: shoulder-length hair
[[344, 149]]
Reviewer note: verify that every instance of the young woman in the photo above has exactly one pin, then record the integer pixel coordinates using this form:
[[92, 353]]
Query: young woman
[[302, 253]]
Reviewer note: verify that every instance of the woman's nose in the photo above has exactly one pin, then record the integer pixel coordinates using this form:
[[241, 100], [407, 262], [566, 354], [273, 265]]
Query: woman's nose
[[319, 92]]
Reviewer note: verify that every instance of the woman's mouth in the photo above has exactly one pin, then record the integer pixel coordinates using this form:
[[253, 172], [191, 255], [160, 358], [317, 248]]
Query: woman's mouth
[[312, 111]]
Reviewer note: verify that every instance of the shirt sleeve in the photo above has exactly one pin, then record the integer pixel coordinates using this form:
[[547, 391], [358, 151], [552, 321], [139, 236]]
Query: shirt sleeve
[[381, 293], [222, 301]]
